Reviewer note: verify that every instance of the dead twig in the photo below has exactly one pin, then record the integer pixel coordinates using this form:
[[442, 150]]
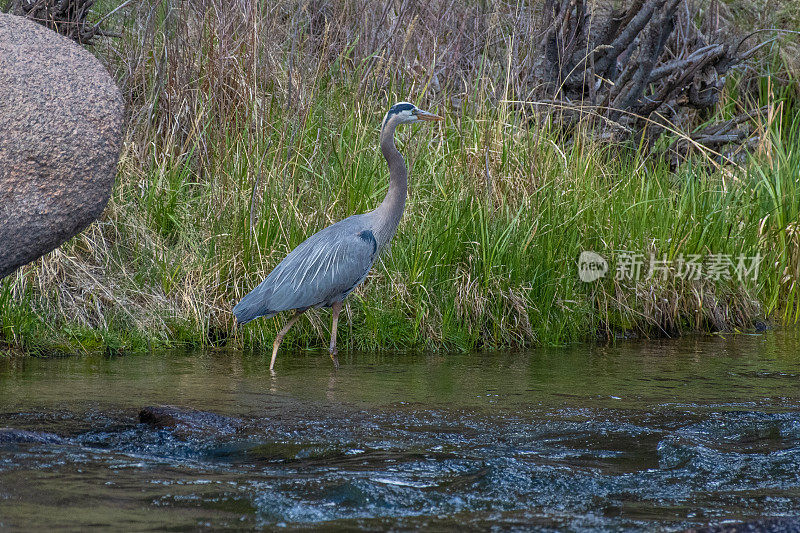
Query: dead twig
[[640, 64], [67, 17]]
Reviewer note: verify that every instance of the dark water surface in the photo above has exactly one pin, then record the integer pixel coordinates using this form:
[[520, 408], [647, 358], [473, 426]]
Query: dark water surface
[[643, 435]]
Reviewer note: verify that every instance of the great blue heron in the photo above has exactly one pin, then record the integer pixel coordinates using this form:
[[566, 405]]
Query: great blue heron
[[327, 266]]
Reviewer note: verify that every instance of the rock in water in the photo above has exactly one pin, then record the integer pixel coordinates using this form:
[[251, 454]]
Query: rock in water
[[185, 423], [61, 119]]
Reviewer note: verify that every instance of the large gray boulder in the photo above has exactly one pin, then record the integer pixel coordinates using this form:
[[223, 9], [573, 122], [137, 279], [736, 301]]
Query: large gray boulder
[[61, 120]]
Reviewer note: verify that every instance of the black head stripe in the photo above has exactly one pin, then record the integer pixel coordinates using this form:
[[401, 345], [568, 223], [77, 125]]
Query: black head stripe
[[397, 108], [404, 106]]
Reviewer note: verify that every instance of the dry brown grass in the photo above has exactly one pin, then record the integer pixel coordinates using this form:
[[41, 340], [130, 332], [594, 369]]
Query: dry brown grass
[[247, 110]]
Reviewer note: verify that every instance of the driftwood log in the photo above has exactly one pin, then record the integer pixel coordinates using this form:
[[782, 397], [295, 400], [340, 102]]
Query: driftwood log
[[640, 70], [67, 17]]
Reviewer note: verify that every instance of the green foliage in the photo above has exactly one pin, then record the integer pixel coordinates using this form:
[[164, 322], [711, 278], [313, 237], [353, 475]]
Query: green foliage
[[223, 174]]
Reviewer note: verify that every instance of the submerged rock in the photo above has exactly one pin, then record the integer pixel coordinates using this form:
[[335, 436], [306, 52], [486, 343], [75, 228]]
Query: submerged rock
[[61, 118], [185, 423], [19, 436]]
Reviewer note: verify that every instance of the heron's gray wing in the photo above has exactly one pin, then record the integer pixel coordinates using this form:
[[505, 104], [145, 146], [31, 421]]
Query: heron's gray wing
[[322, 269]]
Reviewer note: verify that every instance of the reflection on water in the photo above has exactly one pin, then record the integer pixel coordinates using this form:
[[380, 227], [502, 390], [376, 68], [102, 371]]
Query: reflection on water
[[646, 435]]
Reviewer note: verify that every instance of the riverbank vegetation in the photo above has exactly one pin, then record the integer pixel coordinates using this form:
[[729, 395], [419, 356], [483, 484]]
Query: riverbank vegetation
[[252, 126]]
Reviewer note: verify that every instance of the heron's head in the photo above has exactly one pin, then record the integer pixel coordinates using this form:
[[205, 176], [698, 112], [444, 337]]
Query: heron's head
[[406, 113]]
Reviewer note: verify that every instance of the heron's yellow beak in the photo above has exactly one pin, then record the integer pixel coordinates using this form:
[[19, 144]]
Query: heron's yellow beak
[[429, 117]]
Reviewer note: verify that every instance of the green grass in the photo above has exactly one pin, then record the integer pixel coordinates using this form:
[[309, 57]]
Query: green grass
[[486, 255]]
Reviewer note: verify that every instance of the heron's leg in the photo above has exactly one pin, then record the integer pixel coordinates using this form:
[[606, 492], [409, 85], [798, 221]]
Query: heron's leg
[[336, 307], [281, 334]]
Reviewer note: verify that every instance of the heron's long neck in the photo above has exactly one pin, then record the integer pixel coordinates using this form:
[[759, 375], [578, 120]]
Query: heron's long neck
[[391, 209]]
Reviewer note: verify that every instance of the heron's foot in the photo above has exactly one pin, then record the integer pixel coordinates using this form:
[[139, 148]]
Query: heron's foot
[[334, 352]]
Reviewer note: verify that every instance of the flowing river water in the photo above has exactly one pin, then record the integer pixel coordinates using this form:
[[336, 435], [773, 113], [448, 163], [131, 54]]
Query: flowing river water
[[656, 435]]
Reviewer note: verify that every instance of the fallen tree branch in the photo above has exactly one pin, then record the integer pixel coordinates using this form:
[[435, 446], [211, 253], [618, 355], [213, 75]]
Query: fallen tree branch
[[67, 17], [640, 64]]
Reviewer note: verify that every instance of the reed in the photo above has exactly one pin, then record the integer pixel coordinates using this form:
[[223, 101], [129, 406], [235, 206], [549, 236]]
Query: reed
[[251, 126]]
